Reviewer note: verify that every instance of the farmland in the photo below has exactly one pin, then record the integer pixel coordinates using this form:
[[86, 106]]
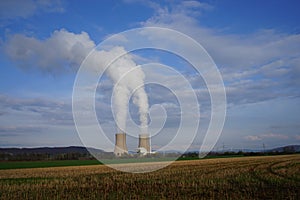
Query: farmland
[[264, 177], [40, 164]]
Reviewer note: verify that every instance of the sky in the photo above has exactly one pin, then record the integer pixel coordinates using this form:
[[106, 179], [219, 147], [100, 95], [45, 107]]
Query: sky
[[255, 45]]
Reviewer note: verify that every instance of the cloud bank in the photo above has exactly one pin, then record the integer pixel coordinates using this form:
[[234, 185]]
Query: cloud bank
[[255, 67], [26, 8], [64, 51]]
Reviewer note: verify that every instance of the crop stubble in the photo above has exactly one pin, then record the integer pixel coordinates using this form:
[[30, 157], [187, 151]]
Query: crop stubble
[[276, 177]]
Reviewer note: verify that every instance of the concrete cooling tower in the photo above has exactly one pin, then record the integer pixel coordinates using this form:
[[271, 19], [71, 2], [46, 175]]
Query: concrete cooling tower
[[144, 143], [120, 147]]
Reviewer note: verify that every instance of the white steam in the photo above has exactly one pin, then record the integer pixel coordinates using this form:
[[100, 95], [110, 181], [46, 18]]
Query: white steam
[[128, 79], [65, 50]]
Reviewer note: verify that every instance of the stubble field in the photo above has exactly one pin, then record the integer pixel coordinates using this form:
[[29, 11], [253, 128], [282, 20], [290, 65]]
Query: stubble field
[[265, 177]]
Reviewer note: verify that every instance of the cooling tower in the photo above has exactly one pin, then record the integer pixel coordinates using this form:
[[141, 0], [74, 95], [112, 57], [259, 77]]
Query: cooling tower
[[121, 147], [144, 142]]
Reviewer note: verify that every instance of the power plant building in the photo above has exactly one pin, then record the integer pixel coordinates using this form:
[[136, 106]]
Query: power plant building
[[120, 147], [144, 143]]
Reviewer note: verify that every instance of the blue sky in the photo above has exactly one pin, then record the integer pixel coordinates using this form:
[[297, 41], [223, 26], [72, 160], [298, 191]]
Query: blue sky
[[255, 45]]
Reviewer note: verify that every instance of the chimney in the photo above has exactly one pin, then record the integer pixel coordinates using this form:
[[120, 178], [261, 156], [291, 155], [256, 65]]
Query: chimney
[[144, 142], [120, 147]]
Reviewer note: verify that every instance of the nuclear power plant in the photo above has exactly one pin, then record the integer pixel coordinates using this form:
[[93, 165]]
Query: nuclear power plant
[[121, 147], [144, 144]]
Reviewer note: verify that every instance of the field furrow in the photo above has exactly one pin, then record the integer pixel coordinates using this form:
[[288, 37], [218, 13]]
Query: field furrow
[[265, 177]]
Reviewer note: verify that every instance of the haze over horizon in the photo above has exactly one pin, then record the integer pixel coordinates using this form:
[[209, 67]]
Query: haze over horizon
[[255, 45]]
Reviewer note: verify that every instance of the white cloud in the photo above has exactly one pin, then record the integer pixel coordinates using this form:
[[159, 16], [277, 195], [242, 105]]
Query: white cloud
[[10, 9], [19, 130], [255, 67], [275, 136], [62, 51], [234, 51], [36, 111], [253, 137], [267, 136]]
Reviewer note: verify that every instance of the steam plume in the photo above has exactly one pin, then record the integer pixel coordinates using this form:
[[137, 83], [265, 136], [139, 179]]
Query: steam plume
[[127, 80], [65, 50]]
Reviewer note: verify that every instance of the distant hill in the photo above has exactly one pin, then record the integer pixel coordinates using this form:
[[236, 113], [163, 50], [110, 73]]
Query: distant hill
[[287, 149], [49, 150], [77, 152]]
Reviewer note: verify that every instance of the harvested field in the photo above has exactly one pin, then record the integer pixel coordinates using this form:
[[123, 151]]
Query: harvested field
[[265, 177]]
